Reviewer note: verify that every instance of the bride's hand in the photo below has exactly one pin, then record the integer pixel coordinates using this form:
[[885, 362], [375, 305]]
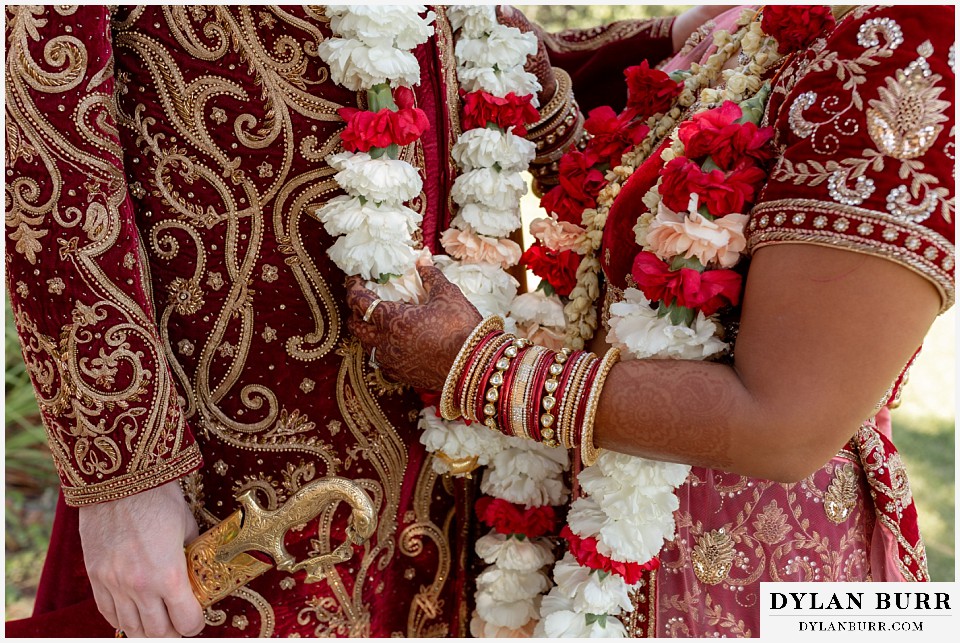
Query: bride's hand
[[415, 344]]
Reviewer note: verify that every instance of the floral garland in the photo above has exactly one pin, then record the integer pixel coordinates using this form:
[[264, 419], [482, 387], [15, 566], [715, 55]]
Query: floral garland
[[371, 50], [691, 239], [523, 480]]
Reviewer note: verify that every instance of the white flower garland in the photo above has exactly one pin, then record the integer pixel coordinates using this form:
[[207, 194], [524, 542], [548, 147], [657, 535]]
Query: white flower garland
[[490, 57], [372, 45]]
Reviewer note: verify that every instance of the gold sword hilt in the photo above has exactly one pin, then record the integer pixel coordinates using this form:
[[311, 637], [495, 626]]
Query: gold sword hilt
[[217, 562]]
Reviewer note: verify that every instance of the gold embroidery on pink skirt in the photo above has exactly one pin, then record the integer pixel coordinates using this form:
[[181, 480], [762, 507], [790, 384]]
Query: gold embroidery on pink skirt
[[841, 496], [713, 556]]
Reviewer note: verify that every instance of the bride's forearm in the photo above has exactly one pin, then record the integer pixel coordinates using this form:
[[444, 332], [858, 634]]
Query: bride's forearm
[[701, 413]]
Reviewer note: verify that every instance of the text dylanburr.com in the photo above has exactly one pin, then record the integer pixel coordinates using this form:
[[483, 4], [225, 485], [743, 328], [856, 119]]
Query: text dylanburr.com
[[917, 611]]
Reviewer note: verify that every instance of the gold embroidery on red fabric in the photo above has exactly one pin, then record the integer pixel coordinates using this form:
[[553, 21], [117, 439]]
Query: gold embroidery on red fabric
[[596, 37], [937, 270], [713, 556], [426, 605]]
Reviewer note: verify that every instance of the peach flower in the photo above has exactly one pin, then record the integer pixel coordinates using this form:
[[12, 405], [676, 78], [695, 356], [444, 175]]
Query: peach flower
[[693, 235], [557, 236], [469, 247]]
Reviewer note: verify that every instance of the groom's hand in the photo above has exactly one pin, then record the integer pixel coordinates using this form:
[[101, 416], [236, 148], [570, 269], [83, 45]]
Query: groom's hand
[[538, 65], [133, 552]]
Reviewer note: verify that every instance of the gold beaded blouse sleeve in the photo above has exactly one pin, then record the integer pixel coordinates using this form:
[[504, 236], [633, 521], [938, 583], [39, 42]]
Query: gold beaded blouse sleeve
[[76, 275], [865, 142]]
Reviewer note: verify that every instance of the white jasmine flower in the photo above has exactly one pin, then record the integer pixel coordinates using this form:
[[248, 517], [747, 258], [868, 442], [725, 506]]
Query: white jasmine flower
[[383, 179], [490, 188], [481, 147]]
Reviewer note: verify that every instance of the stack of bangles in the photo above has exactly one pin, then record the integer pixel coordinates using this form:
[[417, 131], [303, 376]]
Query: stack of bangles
[[560, 125], [523, 390]]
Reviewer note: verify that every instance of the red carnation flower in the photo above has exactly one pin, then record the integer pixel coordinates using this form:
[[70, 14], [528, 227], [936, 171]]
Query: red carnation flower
[[480, 108], [508, 518], [585, 551], [580, 183], [612, 134], [796, 26], [649, 91], [558, 202], [559, 269], [722, 192], [430, 398], [706, 291], [580, 178], [716, 133], [366, 130]]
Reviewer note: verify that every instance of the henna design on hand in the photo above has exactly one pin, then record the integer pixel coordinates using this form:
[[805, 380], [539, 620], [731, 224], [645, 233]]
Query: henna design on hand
[[416, 344]]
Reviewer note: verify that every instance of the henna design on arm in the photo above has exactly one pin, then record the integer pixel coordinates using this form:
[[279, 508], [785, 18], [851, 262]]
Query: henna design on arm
[[668, 410]]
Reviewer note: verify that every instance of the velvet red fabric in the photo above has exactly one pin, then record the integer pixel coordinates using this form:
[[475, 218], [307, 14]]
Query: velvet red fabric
[[176, 303]]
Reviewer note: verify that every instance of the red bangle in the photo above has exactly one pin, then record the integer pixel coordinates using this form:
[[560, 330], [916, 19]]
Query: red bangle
[[533, 401]]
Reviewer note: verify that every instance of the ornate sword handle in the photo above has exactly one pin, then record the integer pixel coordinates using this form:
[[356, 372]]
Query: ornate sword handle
[[263, 530], [217, 562]]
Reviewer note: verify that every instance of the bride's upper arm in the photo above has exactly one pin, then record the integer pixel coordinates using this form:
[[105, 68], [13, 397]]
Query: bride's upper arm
[[852, 236]]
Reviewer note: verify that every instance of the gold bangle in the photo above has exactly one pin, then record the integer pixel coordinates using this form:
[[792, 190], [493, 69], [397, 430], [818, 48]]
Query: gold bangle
[[496, 380], [468, 400], [520, 391], [567, 401], [571, 398], [548, 401], [560, 98], [559, 139], [588, 450], [448, 408]]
